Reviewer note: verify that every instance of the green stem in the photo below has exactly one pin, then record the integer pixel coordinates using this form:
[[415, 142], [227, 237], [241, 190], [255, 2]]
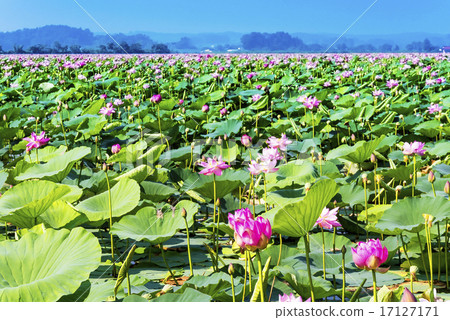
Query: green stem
[[343, 277], [421, 253], [188, 246], [439, 250], [232, 288], [278, 263], [245, 278], [446, 252], [323, 255], [265, 192], [261, 285], [167, 265], [365, 207], [159, 125], [110, 223], [128, 283], [414, 175], [374, 277], [250, 265], [405, 250], [308, 267]]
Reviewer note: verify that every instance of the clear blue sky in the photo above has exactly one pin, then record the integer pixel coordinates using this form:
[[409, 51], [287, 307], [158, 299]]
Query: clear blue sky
[[175, 16]]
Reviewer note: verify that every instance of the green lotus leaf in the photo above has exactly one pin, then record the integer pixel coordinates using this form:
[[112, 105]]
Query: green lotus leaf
[[56, 168], [58, 215], [358, 153], [130, 154], [153, 154], [125, 196], [229, 181], [429, 129], [44, 267], [153, 226], [407, 215], [138, 174], [157, 191], [189, 295], [24, 203], [46, 154], [221, 128], [181, 154], [293, 174], [297, 218]]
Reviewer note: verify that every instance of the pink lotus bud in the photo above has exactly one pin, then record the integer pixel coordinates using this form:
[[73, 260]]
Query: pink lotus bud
[[246, 140], [205, 108], [115, 148]]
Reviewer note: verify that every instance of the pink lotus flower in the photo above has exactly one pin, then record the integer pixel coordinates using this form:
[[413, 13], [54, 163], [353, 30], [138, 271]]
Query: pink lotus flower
[[279, 143], [434, 108], [103, 96], [118, 102], [35, 142], [254, 168], [146, 86], [270, 154], [377, 93], [311, 103], [302, 99], [223, 111], [256, 97], [108, 110], [246, 140], [391, 83], [369, 255], [328, 219], [156, 98], [291, 298], [115, 148], [205, 108], [213, 166], [180, 102], [268, 166], [250, 234], [413, 148], [407, 296]]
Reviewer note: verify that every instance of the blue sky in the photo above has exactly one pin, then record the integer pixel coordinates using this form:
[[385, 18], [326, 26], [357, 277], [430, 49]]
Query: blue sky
[[175, 16]]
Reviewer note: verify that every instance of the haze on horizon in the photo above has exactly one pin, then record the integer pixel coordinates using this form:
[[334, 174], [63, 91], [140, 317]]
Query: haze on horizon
[[306, 16]]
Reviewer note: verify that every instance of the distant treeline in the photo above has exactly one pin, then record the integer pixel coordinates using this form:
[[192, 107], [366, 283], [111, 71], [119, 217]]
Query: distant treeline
[[282, 41], [65, 39]]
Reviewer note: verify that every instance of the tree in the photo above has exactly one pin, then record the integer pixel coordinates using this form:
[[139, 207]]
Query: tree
[[75, 48], [18, 49], [160, 48]]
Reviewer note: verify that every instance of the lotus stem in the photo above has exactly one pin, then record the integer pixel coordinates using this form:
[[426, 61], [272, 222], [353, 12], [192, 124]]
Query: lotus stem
[[159, 125], [183, 214], [430, 254], [344, 251], [110, 222], [232, 282], [365, 206], [245, 277], [374, 277], [167, 265], [323, 255], [278, 263], [260, 275], [217, 230], [439, 250], [404, 249], [312, 114], [423, 258], [250, 265], [265, 192], [414, 175], [308, 266], [446, 252]]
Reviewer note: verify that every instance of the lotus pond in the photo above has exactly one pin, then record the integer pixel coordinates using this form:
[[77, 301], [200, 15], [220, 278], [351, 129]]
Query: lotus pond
[[224, 178]]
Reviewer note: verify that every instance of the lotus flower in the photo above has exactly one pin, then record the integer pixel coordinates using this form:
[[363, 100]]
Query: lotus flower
[[246, 140], [205, 108], [256, 97], [434, 108], [369, 255], [35, 142], [328, 219], [268, 166], [391, 83], [291, 298], [270, 154], [250, 234], [254, 168], [311, 103], [156, 98], [413, 148], [108, 110], [279, 143], [213, 166], [223, 111], [115, 148]]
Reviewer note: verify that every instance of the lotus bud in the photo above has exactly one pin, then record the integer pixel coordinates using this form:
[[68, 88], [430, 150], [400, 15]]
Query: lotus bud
[[413, 271], [231, 269], [96, 139], [404, 183], [447, 187], [192, 145], [246, 140], [408, 296], [225, 137], [373, 158], [219, 141], [4, 117], [183, 212], [307, 186], [205, 108], [320, 155], [343, 140], [405, 159], [428, 219], [398, 188], [187, 130], [364, 177], [431, 177], [242, 113], [105, 167], [344, 250], [183, 110], [58, 108], [218, 202], [353, 137]]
